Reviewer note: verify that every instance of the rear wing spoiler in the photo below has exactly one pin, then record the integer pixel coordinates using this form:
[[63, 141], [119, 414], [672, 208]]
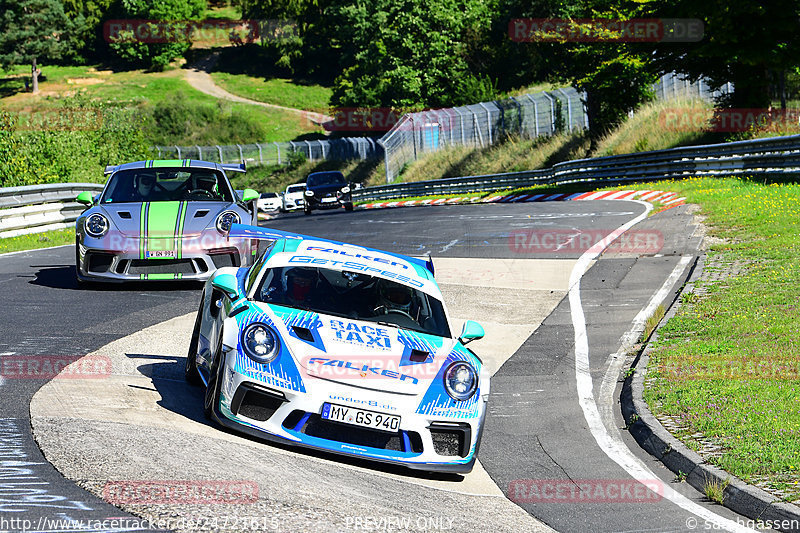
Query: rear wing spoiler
[[259, 233], [233, 167]]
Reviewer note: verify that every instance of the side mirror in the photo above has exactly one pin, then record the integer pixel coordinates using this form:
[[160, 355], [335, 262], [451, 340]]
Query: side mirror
[[85, 198], [248, 195], [225, 280], [471, 331]]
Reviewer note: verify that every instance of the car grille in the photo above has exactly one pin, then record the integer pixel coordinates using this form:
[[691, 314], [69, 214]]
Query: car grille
[[98, 262], [162, 266], [226, 257], [316, 426], [255, 403], [450, 439]]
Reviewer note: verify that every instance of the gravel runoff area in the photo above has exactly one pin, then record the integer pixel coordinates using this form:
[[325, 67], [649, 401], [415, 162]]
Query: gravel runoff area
[[143, 424]]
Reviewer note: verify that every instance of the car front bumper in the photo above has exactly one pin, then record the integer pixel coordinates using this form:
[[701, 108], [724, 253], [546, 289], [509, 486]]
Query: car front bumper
[[275, 413], [95, 261]]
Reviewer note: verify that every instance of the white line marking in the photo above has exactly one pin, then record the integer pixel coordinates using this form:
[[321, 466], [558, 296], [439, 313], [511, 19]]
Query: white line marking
[[615, 361], [449, 245], [613, 446], [35, 250], [2, 379]]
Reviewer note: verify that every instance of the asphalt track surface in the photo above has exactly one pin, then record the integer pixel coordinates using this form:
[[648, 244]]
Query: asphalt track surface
[[536, 436]]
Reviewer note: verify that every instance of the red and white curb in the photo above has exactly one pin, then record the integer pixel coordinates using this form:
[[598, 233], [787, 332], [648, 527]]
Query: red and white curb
[[666, 199]]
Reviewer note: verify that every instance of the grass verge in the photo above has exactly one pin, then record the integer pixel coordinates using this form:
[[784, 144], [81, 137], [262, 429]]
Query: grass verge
[[278, 91], [726, 367], [33, 241], [174, 112]]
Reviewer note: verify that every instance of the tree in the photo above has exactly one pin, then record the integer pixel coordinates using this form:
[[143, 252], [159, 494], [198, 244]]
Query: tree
[[155, 55], [746, 43], [615, 75], [34, 30], [411, 53]]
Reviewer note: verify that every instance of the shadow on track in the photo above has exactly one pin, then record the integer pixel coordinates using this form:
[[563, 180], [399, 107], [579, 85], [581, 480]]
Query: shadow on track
[[182, 399], [63, 277]]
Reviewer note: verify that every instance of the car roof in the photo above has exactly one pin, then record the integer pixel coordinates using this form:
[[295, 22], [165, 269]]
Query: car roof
[[304, 250], [177, 163]]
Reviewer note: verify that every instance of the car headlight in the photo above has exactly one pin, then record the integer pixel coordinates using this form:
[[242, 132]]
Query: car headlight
[[96, 225], [260, 343], [224, 221], [309, 193], [460, 381], [345, 189]]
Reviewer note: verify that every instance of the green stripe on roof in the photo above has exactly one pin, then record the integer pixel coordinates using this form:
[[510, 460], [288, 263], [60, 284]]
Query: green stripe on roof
[[158, 163]]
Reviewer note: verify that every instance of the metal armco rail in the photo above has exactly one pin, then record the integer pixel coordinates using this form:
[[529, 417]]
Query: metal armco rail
[[38, 208], [774, 156], [43, 207]]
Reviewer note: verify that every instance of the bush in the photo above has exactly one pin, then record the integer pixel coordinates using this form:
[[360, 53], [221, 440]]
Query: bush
[[48, 152]]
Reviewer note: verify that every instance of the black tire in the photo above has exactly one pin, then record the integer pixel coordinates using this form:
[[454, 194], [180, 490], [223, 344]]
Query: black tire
[[306, 211], [211, 399], [348, 207], [190, 371]]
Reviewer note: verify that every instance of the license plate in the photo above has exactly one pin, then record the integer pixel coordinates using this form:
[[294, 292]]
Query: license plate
[[361, 417], [328, 200], [161, 253]]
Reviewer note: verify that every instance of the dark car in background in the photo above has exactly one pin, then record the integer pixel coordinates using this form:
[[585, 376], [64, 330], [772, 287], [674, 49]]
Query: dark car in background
[[326, 190]]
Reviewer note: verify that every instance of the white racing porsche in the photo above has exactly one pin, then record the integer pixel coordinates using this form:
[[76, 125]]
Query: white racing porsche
[[339, 348]]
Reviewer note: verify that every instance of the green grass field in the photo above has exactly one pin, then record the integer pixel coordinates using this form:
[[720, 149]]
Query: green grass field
[[37, 240], [207, 119], [726, 368], [278, 91]]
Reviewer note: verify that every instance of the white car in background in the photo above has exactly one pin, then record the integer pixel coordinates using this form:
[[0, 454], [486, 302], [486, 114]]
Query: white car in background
[[293, 197], [269, 201]]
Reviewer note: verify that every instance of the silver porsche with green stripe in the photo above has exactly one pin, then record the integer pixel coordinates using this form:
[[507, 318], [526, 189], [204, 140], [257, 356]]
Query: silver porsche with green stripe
[[163, 220]]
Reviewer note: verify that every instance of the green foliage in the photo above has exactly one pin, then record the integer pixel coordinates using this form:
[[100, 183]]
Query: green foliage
[[181, 120], [746, 43], [410, 53], [88, 41], [35, 30], [155, 56], [17, 167], [58, 152]]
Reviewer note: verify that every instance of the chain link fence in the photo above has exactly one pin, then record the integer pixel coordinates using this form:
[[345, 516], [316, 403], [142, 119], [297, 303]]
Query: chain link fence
[[480, 125], [530, 115], [276, 153], [674, 85], [476, 126]]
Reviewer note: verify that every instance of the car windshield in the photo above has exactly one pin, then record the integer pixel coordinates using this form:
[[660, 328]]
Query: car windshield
[[269, 195], [325, 178], [353, 295], [166, 185], [295, 188]]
